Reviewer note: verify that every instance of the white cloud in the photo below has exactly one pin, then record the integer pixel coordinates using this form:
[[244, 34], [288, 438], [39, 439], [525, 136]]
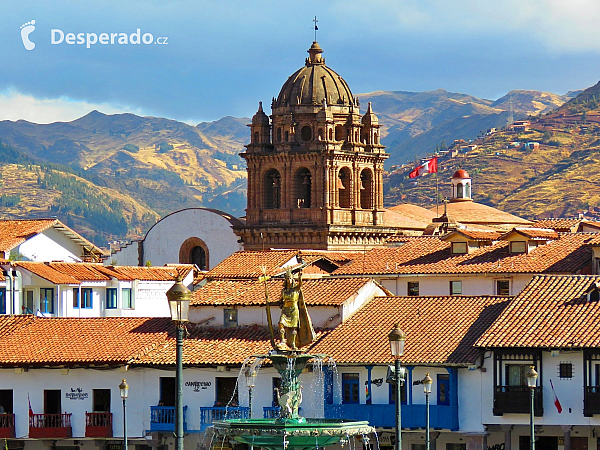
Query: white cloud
[[16, 106], [559, 25]]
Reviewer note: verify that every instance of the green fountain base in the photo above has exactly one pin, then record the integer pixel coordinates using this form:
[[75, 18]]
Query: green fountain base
[[300, 433]]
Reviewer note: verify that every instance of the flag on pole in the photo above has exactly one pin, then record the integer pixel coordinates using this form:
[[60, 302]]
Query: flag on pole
[[30, 410], [556, 401], [430, 166]]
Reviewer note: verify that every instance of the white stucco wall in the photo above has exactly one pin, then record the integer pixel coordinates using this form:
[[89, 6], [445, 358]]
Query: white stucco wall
[[569, 392], [51, 245], [144, 391], [436, 285], [257, 315], [162, 242]]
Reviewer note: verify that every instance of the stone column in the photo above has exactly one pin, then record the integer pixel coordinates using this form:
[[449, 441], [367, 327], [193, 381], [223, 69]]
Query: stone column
[[508, 438], [567, 434]]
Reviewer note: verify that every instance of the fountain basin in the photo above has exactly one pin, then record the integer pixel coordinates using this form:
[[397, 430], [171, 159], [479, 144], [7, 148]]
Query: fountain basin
[[301, 433]]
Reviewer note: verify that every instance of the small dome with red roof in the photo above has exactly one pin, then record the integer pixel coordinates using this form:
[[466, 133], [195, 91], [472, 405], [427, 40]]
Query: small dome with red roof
[[460, 173]]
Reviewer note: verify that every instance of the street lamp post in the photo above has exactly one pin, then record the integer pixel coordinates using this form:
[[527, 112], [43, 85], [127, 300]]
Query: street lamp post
[[179, 302], [397, 338], [531, 383], [250, 384], [124, 390], [427, 382]]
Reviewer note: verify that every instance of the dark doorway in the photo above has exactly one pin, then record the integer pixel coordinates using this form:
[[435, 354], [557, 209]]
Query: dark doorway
[[198, 257], [6, 401], [101, 399], [52, 401], [541, 443], [226, 391], [167, 391], [579, 443]]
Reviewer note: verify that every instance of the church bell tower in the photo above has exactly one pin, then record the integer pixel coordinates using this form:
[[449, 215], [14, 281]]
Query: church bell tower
[[315, 168]]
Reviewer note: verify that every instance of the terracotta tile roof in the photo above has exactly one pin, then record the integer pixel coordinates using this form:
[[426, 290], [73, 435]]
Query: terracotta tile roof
[[47, 272], [337, 257], [397, 219], [550, 312], [15, 232], [211, 346], [561, 225], [248, 264], [440, 330], [476, 235], [30, 340], [317, 292], [533, 233], [126, 273], [81, 271], [591, 223], [472, 212], [568, 254], [74, 273], [401, 238], [414, 212]]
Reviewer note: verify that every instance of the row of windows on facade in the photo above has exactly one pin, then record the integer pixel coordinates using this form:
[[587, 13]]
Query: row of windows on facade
[[502, 288], [82, 298], [306, 134], [302, 188], [515, 247]]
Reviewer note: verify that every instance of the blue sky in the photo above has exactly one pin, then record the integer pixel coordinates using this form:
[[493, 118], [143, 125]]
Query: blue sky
[[222, 57]]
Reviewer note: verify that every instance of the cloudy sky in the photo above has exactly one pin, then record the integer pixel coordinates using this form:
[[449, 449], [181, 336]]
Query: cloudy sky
[[222, 57]]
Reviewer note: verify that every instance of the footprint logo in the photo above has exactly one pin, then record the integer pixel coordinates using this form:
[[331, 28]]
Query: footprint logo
[[26, 30]]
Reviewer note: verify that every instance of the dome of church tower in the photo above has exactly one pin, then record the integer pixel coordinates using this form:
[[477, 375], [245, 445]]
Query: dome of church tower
[[314, 83], [260, 117]]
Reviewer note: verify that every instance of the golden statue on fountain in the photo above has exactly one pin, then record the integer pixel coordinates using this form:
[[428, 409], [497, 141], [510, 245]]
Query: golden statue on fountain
[[295, 327]]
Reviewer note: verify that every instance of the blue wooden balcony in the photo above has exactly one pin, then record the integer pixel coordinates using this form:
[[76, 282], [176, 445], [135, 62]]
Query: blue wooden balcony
[[384, 416], [162, 418], [208, 414], [271, 412]]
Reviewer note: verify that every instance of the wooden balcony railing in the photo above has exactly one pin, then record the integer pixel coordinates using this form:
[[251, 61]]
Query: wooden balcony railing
[[208, 414], [162, 418], [7, 426], [517, 399], [43, 426], [591, 404], [98, 424]]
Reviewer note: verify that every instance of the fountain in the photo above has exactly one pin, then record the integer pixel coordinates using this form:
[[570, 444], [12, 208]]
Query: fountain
[[290, 430]]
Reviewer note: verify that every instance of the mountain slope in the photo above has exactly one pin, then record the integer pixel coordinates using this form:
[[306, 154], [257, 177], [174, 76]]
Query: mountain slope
[[561, 177], [416, 122]]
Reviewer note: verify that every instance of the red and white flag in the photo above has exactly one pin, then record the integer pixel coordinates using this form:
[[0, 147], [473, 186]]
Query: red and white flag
[[430, 166], [556, 401], [30, 410]]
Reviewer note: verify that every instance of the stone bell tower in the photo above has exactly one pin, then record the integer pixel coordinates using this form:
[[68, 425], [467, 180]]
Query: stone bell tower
[[315, 169]]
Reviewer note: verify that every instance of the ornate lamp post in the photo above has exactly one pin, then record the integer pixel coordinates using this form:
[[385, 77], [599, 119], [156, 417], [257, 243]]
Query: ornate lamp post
[[397, 338], [531, 383], [179, 302], [427, 382], [124, 390], [250, 384]]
